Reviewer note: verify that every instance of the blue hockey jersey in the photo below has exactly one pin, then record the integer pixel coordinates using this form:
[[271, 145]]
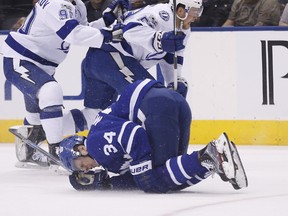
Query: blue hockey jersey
[[117, 133], [118, 140]]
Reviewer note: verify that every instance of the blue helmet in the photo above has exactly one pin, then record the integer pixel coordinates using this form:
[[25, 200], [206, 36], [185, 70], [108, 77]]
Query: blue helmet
[[67, 153]]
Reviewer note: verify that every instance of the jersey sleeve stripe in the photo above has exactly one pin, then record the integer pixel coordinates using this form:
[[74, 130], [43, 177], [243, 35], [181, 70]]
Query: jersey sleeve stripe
[[172, 176], [179, 163], [134, 98], [27, 53], [131, 139], [169, 58], [119, 139], [65, 30]]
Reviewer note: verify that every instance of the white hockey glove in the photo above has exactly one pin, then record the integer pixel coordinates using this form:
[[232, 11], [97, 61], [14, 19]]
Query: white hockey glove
[[182, 86], [81, 12]]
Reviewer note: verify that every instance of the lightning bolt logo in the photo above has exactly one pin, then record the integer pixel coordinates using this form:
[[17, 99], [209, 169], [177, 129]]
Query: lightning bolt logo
[[127, 73], [118, 60], [22, 70]]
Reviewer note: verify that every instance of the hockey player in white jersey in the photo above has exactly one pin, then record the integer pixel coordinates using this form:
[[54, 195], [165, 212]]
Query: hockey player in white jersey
[[31, 56], [142, 140], [148, 40]]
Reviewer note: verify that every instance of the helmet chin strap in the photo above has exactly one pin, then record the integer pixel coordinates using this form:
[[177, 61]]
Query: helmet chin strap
[[182, 19]]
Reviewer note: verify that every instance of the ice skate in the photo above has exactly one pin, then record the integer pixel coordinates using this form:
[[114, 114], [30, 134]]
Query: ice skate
[[26, 154], [221, 156], [240, 180]]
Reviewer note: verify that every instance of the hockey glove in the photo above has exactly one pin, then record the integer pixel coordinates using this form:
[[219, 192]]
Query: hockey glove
[[182, 86], [81, 12], [168, 41], [110, 14], [144, 177], [112, 34], [98, 180]]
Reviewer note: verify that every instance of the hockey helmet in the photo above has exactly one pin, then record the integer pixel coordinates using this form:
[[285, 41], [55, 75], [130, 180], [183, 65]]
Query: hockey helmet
[[67, 152], [197, 4], [135, 4]]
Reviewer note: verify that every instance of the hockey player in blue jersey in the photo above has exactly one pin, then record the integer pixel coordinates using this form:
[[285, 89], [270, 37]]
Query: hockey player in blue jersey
[[31, 56], [148, 40], [142, 140]]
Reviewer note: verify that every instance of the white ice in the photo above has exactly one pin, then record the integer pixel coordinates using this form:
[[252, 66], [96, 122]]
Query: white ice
[[41, 193]]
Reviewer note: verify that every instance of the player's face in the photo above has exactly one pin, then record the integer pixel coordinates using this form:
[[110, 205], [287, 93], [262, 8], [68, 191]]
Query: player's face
[[195, 12], [192, 15], [85, 163]]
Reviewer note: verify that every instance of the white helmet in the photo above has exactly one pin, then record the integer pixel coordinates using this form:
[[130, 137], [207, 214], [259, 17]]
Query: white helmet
[[189, 4]]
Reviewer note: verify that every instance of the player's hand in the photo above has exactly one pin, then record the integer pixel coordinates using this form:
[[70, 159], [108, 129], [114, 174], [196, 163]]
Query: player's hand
[[113, 34], [168, 41], [116, 8], [98, 180], [182, 86]]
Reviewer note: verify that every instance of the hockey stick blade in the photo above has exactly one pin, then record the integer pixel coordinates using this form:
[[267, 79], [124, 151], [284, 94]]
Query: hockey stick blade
[[38, 148]]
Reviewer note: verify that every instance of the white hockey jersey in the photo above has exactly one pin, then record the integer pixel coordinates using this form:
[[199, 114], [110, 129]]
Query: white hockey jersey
[[47, 33], [140, 27]]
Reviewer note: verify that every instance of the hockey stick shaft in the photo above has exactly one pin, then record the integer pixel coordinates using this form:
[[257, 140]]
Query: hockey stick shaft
[[175, 59], [38, 148]]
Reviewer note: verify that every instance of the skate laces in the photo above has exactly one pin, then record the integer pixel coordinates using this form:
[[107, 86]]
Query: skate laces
[[211, 159]]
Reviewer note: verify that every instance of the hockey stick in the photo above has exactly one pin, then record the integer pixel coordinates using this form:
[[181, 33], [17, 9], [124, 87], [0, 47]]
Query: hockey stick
[[38, 148], [175, 53]]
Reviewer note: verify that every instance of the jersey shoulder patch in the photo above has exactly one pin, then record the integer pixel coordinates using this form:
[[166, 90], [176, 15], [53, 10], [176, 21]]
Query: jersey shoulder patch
[[164, 15]]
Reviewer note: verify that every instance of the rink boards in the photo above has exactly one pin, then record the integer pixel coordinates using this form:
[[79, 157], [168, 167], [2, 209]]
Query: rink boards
[[237, 83]]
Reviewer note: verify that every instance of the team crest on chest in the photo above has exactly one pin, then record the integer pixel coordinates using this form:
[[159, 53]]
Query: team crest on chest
[[164, 15]]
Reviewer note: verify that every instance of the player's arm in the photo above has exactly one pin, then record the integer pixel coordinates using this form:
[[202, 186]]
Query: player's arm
[[151, 40], [62, 19]]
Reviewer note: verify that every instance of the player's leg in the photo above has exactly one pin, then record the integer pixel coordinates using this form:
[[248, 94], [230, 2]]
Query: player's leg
[[28, 80], [184, 121], [162, 124], [219, 156], [114, 69]]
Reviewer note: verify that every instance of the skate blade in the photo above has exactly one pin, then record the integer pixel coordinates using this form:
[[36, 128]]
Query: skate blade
[[28, 165], [240, 180], [224, 149]]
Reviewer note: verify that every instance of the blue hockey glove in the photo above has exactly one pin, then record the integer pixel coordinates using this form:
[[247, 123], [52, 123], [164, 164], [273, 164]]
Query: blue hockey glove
[[113, 34], [182, 86], [110, 14], [168, 41], [98, 180], [145, 178]]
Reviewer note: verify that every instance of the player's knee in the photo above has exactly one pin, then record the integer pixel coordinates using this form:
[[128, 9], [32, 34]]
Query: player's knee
[[50, 95]]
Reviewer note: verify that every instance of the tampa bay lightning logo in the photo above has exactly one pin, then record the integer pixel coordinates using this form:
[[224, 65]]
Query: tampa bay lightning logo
[[164, 15], [64, 47]]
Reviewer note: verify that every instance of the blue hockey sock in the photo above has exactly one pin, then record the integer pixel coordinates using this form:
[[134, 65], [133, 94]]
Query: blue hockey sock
[[185, 170]]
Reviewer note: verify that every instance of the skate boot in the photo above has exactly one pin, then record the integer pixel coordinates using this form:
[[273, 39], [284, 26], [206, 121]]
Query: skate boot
[[54, 150], [25, 153], [218, 157], [240, 180]]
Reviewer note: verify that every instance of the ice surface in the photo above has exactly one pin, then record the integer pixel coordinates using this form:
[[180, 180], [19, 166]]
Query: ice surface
[[41, 193]]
